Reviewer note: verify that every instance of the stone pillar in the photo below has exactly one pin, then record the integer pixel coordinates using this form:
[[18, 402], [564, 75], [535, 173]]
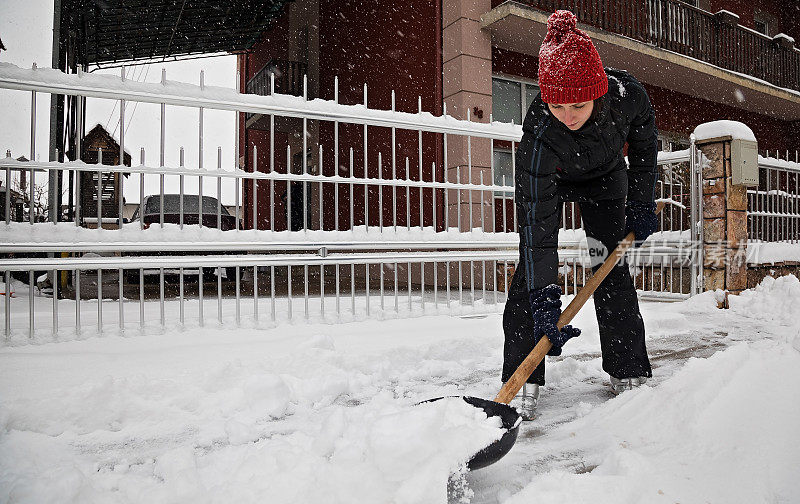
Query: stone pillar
[[724, 220], [467, 86]]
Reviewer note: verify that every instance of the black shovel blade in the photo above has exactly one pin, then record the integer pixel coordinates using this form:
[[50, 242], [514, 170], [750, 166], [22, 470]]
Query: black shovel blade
[[496, 450]]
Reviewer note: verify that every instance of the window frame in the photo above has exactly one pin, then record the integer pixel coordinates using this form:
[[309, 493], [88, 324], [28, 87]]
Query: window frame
[[503, 194], [771, 23], [523, 100], [758, 19], [524, 83]]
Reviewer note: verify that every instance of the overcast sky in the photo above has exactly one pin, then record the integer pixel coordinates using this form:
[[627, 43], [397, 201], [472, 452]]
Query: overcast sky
[[26, 29]]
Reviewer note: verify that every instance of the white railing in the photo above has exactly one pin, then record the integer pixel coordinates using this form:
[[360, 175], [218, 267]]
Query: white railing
[[774, 206], [387, 243], [46, 80]]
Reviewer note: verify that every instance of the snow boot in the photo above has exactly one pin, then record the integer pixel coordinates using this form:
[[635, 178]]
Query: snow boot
[[619, 385], [528, 401]]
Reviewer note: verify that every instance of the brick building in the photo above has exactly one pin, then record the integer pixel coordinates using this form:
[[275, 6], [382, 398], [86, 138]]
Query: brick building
[[700, 60]]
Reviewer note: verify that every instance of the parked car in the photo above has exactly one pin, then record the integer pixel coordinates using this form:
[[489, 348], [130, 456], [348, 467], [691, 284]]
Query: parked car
[[149, 212]]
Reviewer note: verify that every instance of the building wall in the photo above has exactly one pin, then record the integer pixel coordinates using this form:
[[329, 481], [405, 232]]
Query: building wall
[[274, 44], [513, 63], [389, 48], [400, 48], [742, 8], [790, 18], [382, 45], [281, 41], [680, 113], [385, 46]]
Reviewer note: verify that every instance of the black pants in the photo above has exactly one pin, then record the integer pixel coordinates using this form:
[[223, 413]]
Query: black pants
[[616, 306]]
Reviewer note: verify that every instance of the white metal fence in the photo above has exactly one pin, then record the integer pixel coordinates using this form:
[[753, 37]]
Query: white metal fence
[[392, 237], [774, 206]]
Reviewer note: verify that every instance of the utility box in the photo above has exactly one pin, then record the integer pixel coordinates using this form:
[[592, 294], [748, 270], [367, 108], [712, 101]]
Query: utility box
[[744, 162]]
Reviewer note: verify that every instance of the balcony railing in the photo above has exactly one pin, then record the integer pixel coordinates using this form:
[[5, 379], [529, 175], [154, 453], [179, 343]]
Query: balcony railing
[[676, 26], [288, 79]]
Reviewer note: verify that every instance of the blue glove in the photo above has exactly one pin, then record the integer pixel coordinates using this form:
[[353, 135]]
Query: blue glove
[[640, 217], [546, 306]]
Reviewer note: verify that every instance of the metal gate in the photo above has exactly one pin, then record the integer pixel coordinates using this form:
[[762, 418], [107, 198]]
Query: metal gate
[[405, 239]]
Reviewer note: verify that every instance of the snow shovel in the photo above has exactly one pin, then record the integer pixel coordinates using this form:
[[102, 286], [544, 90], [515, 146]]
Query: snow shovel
[[499, 407]]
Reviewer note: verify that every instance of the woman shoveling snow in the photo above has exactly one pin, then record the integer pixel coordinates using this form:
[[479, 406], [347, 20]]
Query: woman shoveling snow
[[572, 150]]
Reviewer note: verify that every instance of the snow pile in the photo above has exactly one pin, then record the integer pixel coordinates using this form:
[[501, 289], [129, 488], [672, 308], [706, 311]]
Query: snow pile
[[416, 450], [216, 416], [716, 129], [718, 431], [774, 300], [393, 453]]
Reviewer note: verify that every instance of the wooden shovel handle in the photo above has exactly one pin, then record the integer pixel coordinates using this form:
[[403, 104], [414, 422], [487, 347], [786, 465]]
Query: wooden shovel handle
[[520, 376]]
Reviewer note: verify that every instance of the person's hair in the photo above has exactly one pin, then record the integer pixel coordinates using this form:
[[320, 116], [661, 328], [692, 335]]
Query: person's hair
[[597, 107]]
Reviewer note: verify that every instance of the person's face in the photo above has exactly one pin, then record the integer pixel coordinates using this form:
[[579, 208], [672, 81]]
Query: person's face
[[573, 115]]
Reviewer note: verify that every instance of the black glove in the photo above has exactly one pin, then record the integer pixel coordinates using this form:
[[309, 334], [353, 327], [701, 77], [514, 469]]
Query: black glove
[[546, 306], [640, 217]]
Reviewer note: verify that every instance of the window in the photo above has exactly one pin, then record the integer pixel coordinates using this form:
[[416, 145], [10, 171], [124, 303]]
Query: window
[[761, 25], [503, 172], [109, 186], [506, 102], [510, 99]]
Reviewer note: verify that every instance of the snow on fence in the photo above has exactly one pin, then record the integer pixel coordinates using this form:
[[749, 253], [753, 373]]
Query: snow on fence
[[382, 237]]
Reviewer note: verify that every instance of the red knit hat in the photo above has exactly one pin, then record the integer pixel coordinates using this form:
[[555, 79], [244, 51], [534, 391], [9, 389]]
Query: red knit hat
[[570, 70]]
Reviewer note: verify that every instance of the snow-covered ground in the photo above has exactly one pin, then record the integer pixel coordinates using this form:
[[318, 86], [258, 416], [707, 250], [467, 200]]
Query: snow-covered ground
[[326, 413]]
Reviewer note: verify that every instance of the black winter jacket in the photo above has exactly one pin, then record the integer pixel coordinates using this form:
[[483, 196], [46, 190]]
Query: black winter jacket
[[554, 164]]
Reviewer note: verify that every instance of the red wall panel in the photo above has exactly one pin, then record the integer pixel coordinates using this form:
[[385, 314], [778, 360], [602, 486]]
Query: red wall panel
[[680, 113], [387, 46], [391, 46], [514, 63]]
